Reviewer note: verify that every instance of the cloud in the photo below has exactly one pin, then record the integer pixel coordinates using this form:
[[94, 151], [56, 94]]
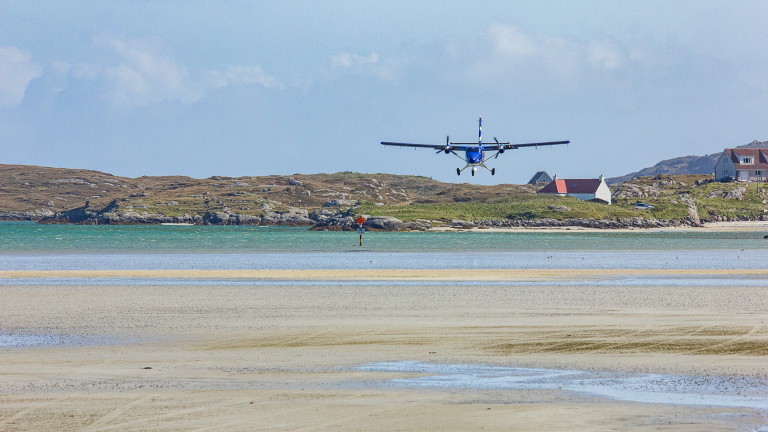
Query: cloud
[[143, 75], [16, 72], [239, 75], [366, 65], [606, 55], [511, 42], [506, 53], [559, 55], [347, 60]]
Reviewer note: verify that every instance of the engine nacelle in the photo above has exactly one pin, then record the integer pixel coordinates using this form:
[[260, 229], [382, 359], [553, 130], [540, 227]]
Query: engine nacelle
[[501, 149], [447, 149]]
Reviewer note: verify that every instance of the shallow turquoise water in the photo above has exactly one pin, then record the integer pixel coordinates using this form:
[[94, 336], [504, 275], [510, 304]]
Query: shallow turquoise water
[[31, 238], [29, 246]]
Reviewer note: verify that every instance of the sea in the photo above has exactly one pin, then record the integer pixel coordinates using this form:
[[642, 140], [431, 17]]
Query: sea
[[32, 246]]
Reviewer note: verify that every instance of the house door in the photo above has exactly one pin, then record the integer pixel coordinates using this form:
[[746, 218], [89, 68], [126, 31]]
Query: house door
[[744, 175]]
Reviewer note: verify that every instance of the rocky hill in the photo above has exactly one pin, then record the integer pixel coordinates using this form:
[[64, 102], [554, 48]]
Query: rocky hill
[[683, 165], [75, 196], [331, 201]]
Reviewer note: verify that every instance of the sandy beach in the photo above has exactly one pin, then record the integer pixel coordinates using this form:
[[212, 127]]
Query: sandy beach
[[731, 226], [287, 357]]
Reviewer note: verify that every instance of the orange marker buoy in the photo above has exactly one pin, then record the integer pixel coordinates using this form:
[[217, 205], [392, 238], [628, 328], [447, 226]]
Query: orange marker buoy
[[360, 221]]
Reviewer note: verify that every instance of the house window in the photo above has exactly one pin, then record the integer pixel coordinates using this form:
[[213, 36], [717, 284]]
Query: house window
[[746, 160]]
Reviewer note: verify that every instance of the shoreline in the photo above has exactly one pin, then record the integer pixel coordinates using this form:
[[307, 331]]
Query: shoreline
[[731, 226], [735, 226]]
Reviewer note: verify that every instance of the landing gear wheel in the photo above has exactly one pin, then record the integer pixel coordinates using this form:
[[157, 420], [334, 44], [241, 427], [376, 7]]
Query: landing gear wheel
[[493, 171], [473, 173], [458, 172]]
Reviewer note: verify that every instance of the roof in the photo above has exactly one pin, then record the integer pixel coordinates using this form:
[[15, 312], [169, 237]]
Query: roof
[[759, 156], [540, 177], [571, 186]]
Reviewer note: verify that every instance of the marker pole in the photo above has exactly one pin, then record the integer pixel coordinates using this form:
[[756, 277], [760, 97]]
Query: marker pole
[[360, 221]]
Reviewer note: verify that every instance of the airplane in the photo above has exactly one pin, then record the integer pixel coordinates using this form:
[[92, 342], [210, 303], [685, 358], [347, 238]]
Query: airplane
[[474, 154]]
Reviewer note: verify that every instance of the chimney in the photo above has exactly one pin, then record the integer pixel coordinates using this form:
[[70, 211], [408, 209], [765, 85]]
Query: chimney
[[601, 178], [555, 178]]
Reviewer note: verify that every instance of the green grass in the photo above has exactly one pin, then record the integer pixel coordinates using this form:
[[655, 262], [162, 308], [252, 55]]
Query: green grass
[[517, 207], [708, 198], [663, 209], [751, 206]]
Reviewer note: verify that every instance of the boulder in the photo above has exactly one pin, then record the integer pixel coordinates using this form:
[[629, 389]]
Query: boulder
[[324, 215], [384, 223], [27, 215], [340, 202], [735, 193], [215, 218], [559, 208], [458, 223]]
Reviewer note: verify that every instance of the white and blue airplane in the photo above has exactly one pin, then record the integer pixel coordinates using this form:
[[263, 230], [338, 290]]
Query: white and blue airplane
[[474, 154]]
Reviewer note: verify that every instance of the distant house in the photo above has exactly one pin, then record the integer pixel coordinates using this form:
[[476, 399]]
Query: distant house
[[743, 164], [583, 189], [540, 177]]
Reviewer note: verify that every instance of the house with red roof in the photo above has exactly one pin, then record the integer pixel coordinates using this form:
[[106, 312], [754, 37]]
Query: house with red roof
[[583, 189], [743, 164]]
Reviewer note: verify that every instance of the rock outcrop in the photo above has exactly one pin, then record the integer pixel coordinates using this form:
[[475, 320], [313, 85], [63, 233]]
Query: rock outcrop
[[636, 222], [340, 222], [34, 215]]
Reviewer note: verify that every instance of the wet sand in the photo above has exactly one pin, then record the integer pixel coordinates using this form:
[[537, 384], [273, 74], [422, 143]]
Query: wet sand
[[287, 357], [466, 275]]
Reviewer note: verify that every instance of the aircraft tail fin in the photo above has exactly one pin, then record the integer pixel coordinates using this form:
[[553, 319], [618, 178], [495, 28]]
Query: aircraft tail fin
[[480, 132]]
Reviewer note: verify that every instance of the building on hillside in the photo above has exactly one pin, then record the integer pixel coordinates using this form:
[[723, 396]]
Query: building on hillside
[[583, 189], [742, 164], [540, 177]]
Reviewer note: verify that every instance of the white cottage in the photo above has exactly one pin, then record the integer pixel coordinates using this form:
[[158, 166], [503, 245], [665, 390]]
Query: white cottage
[[743, 164], [583, 189]]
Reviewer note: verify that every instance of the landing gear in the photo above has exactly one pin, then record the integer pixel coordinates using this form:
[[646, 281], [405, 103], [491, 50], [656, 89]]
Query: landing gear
[[473, 171], [458, 172], [493, 171]]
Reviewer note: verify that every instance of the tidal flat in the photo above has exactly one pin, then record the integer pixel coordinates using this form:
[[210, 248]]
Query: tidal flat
[[382, 355]]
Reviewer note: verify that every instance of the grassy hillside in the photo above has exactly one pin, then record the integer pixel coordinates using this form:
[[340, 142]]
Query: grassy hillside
[[713, 200], [408, 198], [519, 206]]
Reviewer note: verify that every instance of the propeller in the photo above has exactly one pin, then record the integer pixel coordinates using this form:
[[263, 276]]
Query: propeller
[[501, 148], [447, 148]]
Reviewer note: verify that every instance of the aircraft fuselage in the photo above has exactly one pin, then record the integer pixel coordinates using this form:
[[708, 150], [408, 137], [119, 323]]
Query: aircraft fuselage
[[474, 155]]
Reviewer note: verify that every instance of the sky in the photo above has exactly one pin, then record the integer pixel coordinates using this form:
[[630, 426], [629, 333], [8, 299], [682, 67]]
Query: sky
[[248, 88]]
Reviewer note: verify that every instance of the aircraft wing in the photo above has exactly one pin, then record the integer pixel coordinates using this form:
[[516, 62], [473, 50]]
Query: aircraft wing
[[454, 146], [399, 144], [508, 146]]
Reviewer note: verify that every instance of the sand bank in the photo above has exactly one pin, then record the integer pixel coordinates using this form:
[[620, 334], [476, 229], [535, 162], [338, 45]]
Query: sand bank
[[487, 275], [282, 357]]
